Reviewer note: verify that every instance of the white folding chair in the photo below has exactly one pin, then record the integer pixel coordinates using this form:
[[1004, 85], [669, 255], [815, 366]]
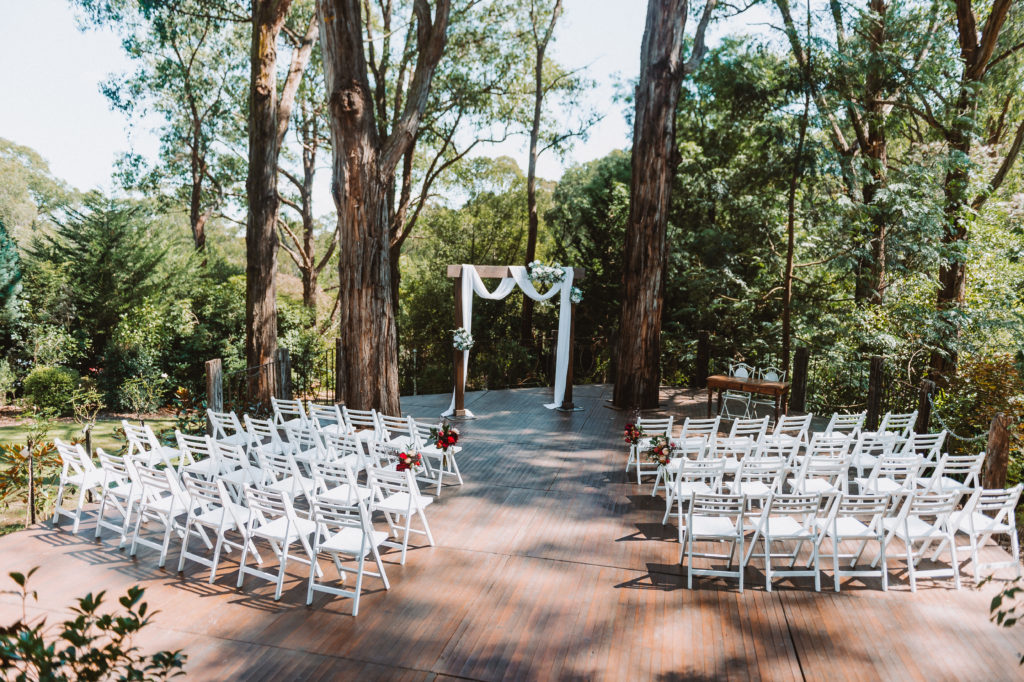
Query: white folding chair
[[758, 478], [162, 500], [988, 513], [927, 445], [273, 520], [739, 370], [834, 444], [336, 483], [868, 448], [691, 447], [791, 429], [346, 448], [327, 418], [767, 374], [856, 518], [305, 444], [699, 428], [395, 430], [236, 467], [197, 456], [891, 474], [77, 470], [226, 428], [821, 474], [396, 494], [718, 519], [754, 429], [901, 424], [702, 476], [263, 436], [789, 518], [211, 507], [650, 427], [848, 424], [925, 519], [282, 474], [145, 446], [345, 532], [288, 412], [954, 472], [440, 463], [733, 451], [121, 492], [361, 422]]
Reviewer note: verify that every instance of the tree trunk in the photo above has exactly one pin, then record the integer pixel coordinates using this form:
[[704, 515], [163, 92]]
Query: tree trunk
[[654, 160], [363, 170], [541, 45], [787, 280], [261, 191]]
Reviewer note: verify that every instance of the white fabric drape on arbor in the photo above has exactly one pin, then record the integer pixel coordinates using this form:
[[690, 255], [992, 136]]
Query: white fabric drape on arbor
[[472, 283]]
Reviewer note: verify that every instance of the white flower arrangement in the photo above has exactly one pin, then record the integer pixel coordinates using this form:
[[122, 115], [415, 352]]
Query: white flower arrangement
[[575, 295], [549, 274], [462, 339]]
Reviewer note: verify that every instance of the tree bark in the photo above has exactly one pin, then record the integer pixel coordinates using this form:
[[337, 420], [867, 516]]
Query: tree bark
[[261, 190], [787, 280], [363, 170], [976, 52], [654, 160], [541, 46]]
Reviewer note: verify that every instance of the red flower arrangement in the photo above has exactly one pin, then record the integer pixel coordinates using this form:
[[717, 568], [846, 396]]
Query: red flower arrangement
[[633, 433], [408, 460], [445, 436], [661, 450]]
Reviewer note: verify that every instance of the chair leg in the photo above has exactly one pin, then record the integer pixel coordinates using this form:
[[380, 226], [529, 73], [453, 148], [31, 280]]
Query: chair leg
[[184, 546], [956, 564], [99, 516], [241, 562], [426, 527], [216, 556], [78, 510], [310, 582], [280, 572], [767, 562], [835, 561], [910, 564], [60, 499]]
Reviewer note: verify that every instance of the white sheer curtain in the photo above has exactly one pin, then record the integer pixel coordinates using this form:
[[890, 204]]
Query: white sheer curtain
[[472, 283]]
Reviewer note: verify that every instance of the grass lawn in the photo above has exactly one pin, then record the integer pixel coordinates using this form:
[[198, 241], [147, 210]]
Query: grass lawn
[[66, 429]]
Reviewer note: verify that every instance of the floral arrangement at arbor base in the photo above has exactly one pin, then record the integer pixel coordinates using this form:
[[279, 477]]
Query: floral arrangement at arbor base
[[548, 274], [409, 460], [462, 339], [444, 436], [633, 434], [576, 294], [661, 450]]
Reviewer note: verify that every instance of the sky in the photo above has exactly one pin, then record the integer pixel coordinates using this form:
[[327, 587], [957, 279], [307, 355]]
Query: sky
[[52, 101]]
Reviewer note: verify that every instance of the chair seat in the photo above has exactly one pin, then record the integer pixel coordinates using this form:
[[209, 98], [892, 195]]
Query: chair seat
[[235, 439], [158, 455], [917, 529], [982, 523], [437, 453], [124, 491], [403, 442], [206, 467], [168, 504], [863, 461], [275, 530], [399, 503], [338, 429], [242, 476], [944, 484], [751, 488], [89, 479], [350, 541], [215, 516], [846, 527], [785, 528], [711, 527], [293, 485], [813, 485], [343, 494], [880, 485], [687, 488]]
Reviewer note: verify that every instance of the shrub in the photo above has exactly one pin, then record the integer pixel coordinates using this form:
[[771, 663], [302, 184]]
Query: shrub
[[52, 388], [8, 379]]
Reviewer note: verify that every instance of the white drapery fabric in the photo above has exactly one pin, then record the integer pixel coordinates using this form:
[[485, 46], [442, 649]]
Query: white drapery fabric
[[472, 283]]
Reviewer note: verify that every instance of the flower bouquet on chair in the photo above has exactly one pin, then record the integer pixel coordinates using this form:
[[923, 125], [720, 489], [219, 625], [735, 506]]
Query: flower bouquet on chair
[[445, 437], [633, 434], [409, 460], [661, 450]]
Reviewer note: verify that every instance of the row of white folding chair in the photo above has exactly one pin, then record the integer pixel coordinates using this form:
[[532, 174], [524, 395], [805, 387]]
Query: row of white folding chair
[[919, 520]]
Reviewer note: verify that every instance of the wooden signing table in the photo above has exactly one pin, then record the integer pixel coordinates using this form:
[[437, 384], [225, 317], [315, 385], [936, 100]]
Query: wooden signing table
[[778, 389]]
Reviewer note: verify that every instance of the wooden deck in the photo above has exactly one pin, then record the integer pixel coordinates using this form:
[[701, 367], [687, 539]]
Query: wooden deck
[[548, 565]]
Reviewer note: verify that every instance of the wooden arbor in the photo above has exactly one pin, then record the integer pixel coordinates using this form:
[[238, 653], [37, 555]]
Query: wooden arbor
[[502, 271]]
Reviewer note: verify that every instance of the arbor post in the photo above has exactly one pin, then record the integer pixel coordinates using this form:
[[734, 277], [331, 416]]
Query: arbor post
[[567, 403], [997, 459], [283, 366], [700, 369], [874, 393], [459, 355], [798, 388], [924, 406], [214, 389]]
